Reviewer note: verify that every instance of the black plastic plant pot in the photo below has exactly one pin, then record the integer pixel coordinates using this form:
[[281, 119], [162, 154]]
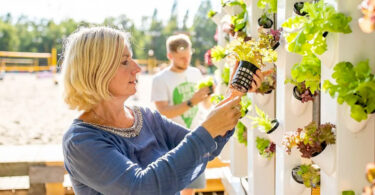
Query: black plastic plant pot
[[244, 76], [323, 145], [277, 44], [296, 94], [295, 175], [325, 34], [211, 88], [297, 8], [275, 126], [265, 22]]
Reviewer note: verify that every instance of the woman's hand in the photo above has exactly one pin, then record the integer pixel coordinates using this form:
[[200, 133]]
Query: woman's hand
[[223, 117], [257, 78]]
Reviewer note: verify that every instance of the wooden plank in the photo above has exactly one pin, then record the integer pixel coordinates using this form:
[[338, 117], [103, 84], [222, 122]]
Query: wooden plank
[[31, 154], [37, 189], [46, 174], [55, 189], [24, 54], [212, 185], [17, 61], [16, 169], [14, 192], [216, 163], [14, 183]]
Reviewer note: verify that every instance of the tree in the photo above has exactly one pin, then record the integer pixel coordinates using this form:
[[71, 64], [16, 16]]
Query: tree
[[203, 31]]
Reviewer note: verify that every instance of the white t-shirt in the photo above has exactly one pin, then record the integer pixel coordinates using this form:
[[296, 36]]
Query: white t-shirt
[[177, 88]]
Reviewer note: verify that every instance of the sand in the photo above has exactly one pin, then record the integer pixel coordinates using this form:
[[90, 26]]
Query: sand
[[32, 110]]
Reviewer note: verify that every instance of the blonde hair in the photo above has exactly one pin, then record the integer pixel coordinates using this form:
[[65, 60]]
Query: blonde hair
[[91, 59], [178, 42]]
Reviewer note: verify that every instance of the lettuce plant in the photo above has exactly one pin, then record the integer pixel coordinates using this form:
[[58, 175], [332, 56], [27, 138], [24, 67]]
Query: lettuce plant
[[308, 71], [268, 84], [265, 147], [245, 103], [310, 139], [211, 13], [269, 5], [241, 133], [310, 175], [262, 120], [355, 85], [218, 53], [305, 33]]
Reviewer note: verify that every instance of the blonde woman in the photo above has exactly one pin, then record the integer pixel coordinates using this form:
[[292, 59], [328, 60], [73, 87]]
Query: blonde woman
[[115, 149]]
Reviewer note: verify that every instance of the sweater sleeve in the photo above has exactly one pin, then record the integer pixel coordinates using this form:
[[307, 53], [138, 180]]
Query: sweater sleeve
[[176, 133], [95, 162]]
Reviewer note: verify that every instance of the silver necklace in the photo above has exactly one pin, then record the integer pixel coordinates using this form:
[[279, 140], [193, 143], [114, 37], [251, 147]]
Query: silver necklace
[[124, 132]]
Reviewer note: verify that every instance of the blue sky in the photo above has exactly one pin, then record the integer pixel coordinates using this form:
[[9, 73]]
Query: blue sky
[[97, 10]]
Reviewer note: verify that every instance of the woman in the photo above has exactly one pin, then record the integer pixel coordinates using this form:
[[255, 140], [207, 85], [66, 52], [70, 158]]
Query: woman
[[115, 149]]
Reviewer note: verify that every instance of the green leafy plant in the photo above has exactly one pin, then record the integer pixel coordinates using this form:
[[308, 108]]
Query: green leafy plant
[[239, 21], [265, 147], [308, 71], [310, 139], [254, 51], [268, 83], [310, 175], [208, 82], [211, 13], [241, 133], [218, 53], [355, 85], [245, 103], [269, 5], [305, 33], [225, 74], [348, 192], [262, 120], [216, 98]]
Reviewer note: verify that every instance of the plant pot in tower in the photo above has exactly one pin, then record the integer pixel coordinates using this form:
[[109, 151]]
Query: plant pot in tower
[[297, 7], [265, 22]]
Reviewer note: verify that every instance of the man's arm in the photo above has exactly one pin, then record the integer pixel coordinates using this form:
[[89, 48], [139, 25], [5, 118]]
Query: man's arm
[[171, 111]]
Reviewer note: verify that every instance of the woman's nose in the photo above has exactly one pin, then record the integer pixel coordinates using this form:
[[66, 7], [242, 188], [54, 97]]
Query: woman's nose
[[137, 68]]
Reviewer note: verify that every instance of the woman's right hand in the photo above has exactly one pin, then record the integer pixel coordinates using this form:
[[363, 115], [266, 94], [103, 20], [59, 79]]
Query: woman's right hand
[[223, 117]]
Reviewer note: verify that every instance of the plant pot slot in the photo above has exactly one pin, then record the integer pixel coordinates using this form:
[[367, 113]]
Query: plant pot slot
[[323, 145], [295, 176], [244, 76], [296, 94], [265, 22], [277, 44], [274, 127], [270, 91], [325, 34], [297, 8]]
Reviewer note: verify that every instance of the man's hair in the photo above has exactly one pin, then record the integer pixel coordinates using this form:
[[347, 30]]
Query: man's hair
[[178, 42], [91, 59]]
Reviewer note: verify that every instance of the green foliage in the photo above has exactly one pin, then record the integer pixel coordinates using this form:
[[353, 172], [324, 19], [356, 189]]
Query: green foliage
[[355, 86], [216, 98], [239, 21], [309, 139], [265, 147], [268, 83], [225, 75], [208, 82], [308, 71], [217, 53], [262, 120], [348, 192], [306, 32], [211, 13], [241, 133], [270, 5], [245, 103], [310, 175]]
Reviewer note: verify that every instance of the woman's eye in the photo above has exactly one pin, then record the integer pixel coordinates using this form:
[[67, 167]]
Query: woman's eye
[[124, 62]]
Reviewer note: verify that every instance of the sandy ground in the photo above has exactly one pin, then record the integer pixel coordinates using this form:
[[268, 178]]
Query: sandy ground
[[32, 110]]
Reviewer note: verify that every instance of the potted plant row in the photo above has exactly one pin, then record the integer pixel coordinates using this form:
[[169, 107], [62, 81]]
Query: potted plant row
[[307, 174], [355, 86], [315, 142]]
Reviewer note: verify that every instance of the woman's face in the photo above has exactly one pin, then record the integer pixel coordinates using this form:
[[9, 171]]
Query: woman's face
[[123, 84]]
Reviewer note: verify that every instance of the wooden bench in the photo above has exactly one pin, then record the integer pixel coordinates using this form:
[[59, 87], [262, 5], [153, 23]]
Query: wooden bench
[[38, 168]]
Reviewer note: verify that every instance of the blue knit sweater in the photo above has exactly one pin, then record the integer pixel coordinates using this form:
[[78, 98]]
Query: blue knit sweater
[[163, 159]]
